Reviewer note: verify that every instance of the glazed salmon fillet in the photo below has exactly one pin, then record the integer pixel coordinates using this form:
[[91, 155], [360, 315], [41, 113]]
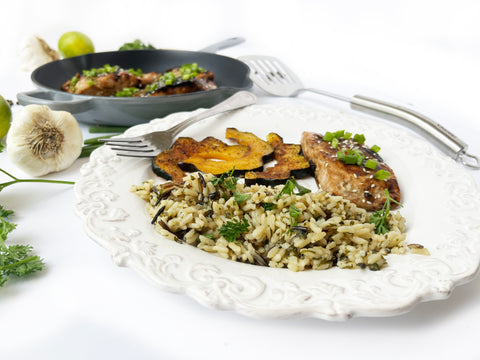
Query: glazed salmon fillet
[[356, 183]]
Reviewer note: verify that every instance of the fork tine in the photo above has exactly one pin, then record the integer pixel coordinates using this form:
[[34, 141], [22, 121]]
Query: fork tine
[[133, 146], [136, 154], [138, 149], [122, 140]]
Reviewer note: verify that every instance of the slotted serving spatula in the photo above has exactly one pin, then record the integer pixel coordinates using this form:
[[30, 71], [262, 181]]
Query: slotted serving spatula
[[275, 78]]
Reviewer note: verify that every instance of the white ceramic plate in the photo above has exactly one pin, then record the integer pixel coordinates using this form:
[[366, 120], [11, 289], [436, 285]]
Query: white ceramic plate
[[441, 205]]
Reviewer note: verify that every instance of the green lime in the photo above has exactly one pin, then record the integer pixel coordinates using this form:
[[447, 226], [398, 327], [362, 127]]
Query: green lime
[[5, 117], [74, 43]]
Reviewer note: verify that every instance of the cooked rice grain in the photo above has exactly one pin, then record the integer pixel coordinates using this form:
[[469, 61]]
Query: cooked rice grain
[[337, 231]]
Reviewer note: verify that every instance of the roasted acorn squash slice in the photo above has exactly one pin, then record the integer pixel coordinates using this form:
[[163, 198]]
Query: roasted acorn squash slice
[[289, 163], [213, 156]]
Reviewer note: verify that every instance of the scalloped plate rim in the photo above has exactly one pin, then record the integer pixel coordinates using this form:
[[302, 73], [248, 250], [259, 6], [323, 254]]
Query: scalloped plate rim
[[221, 299]]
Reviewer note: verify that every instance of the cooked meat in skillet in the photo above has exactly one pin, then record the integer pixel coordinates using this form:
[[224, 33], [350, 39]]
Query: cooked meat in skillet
[[357, 183], [102, 85], [115, 81], [202, 81]]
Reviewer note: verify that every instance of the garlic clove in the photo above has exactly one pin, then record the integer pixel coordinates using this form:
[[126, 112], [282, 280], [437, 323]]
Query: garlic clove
[[41, 141]]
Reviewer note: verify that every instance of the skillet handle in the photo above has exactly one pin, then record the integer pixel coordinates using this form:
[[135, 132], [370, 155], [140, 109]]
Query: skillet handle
[[56, 102], [223, 44]]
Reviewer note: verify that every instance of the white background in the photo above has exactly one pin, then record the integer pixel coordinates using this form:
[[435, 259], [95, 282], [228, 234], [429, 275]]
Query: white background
[[421, 54]]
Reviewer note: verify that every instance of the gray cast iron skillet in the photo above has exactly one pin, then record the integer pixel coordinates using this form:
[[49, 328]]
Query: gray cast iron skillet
[[231, 75]]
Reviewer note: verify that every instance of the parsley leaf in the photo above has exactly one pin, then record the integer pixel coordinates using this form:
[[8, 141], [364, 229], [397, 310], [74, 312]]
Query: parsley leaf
[[289, 189], [239, 198], [232, 229], [268, 206], [219, 180], [294, 214], [229, 182], [302, 190]]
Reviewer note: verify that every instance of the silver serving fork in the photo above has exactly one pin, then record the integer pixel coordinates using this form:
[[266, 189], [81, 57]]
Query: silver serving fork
[[275, 78], [149, 145]]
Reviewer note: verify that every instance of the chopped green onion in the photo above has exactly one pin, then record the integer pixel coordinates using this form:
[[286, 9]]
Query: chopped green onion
[[371, 164], [328, 136], [127, 92], [334, 143], [73, 82], [339, 134], [360, 157], [347, 135], [351, 157], [382, 174], [375, 148], [137, 72], [359, 138]]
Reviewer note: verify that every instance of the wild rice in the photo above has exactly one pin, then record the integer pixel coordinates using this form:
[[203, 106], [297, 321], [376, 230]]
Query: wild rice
[[329, 230]]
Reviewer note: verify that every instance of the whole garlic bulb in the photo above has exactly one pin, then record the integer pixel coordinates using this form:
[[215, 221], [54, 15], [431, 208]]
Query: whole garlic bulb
[[35, 51], [41, 141]]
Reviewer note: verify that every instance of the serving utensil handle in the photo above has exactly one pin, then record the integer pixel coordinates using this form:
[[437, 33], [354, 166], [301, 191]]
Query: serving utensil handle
[[236, 101], [443, 138]]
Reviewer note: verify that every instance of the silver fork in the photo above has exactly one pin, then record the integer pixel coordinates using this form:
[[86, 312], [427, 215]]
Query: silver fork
[[274, 77], [149, 145]]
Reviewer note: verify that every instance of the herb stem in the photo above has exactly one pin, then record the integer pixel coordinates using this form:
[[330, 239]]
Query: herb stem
[[94, 140], [19, 262], [17, 180], [6, 173]]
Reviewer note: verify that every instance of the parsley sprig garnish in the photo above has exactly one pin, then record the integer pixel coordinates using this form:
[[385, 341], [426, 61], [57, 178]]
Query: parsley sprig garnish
[[229, 182], [294, 214], [15, 260], [379, 218], [233, 229], [268, 206], [220, 180], [289, 189]]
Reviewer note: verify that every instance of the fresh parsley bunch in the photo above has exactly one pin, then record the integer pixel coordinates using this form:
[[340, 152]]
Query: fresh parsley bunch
[[137, 44], [15, 260]]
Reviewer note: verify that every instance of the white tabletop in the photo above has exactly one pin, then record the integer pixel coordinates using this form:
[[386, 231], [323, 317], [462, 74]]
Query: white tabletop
[[420, 54]]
